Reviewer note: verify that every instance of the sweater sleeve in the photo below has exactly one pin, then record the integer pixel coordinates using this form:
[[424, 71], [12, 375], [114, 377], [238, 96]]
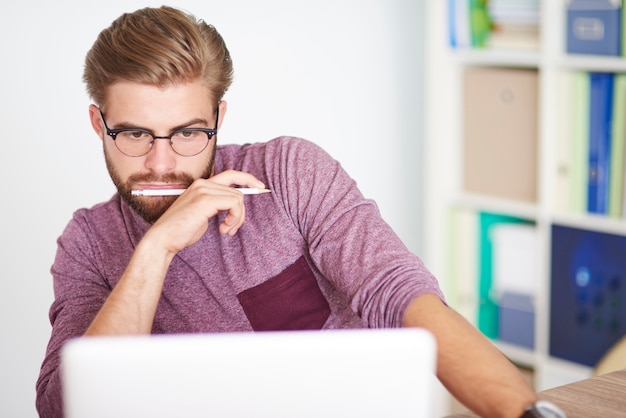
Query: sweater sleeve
[[349, 242], [80, 290]]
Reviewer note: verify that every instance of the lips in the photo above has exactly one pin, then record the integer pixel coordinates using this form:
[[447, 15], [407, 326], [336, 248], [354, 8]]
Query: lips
[[160, 186]]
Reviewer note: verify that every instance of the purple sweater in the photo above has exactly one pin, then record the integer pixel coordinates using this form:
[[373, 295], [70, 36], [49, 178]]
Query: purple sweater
[[313, 254]]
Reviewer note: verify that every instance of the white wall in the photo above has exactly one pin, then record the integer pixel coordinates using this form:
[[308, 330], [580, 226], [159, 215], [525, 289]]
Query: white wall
[[343, 73]]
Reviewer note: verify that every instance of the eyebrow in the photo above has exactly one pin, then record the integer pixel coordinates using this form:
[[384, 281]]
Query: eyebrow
[[196, 121]]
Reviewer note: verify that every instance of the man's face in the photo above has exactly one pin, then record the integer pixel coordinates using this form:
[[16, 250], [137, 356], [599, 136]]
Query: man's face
[[161, 111]]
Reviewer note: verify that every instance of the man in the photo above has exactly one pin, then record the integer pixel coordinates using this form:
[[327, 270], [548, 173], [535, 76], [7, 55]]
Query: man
[[312, 254]]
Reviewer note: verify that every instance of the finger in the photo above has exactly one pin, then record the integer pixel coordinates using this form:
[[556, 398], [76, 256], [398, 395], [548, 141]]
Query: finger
[[239, 178], [232, 203], [212, 197], [233, 220], [204, 200]]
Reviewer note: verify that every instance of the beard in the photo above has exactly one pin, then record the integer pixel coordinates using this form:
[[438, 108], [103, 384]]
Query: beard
[[150, 208]]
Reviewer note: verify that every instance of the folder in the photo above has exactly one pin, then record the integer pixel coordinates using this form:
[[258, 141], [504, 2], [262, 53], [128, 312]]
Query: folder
[[572, 159], [500, 132], [461, 288], [618, 147], [580, 145], [459, 24], [594, 27], [480, 23], [600, 116], [564, 164], [468, 23]]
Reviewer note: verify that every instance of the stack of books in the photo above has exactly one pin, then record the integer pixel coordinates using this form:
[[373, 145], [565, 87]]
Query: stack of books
[[501, 24]]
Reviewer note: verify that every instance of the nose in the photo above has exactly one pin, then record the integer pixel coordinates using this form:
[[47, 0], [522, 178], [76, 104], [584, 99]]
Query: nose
[[161, 158]]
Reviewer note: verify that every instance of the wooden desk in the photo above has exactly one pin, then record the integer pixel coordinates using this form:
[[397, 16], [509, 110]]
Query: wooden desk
[[600, 396]]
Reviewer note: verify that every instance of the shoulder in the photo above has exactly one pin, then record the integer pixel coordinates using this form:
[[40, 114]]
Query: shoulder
[[296, 145], [100, 212], [280, 151], [297, 154], [102, 219], [279, 144]]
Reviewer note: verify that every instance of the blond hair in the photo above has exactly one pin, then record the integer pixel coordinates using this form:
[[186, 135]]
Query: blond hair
[[158, 46]]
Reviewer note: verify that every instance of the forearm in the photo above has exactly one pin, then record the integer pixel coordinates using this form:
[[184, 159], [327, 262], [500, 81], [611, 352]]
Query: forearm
[[468, 364], [131, 306]]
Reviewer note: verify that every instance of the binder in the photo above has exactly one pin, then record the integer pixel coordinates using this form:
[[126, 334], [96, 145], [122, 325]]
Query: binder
[[459, 24], [601, 102], [564, 164], [480, 24], [594, 27], [618, 147], [580, 145], [572, 159], [461, 289], [500, 132], [468, 23]]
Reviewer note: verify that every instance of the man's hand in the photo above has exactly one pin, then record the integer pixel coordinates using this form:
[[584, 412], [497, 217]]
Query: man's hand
[[187, 219]]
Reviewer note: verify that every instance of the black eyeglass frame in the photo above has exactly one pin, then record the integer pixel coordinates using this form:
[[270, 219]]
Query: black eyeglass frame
[[210, 133]]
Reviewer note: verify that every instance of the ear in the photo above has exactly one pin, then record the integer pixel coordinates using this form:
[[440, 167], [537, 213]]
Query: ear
[[223, 108], [96, 120]]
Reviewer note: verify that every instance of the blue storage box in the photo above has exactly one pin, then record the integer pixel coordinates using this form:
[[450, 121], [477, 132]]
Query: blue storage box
[[594, 27], [588, 293], [517, 319]]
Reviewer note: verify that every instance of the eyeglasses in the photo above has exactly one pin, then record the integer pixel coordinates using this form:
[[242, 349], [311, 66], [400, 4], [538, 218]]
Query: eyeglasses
[[137, 142]]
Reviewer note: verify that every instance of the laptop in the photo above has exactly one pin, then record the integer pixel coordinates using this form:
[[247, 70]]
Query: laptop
[[331, 373]]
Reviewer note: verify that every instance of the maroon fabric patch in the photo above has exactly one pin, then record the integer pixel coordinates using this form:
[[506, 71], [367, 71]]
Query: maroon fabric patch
[[292, 300]]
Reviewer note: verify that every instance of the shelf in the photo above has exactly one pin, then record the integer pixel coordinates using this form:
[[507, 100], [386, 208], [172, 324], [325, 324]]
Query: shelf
[[535, 59], [594, 63], [598, 223], [480, 203], [499, 58]]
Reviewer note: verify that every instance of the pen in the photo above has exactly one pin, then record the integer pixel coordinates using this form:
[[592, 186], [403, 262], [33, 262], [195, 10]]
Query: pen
[[176, 192]]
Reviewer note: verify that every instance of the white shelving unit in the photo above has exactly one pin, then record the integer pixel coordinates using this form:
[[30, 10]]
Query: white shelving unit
[[443, 169]]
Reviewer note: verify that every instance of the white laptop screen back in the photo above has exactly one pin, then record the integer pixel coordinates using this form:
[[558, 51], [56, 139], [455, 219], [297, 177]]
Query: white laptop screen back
[[364, 373]]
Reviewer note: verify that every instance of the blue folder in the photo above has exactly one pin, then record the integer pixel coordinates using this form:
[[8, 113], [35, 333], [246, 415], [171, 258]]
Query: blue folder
[[600, 115]]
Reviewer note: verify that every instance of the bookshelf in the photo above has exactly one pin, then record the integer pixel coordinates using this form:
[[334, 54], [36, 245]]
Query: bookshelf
[[443, 167]]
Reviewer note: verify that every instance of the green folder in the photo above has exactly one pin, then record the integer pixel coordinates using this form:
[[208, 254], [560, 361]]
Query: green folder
[[461, 283], [580, 142]]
